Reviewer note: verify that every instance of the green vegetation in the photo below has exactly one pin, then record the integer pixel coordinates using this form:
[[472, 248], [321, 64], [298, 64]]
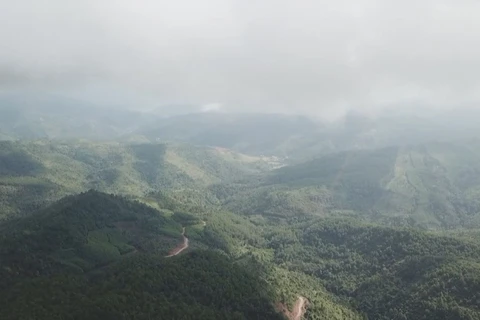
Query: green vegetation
[[368, 234], [100, 256], [385, 273], [430, 186], [185, 219], [33, 174], [202, 285], [82, 233], [95, 255]]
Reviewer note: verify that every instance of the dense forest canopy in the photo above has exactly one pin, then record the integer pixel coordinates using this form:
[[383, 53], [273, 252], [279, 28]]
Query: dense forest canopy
[[432, 185]]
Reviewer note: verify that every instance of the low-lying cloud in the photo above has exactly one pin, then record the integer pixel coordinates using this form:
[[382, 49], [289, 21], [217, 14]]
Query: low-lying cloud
[[305, 56]]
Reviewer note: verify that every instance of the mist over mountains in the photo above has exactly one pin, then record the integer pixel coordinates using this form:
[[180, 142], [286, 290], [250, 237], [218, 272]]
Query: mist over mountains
[[286, 135]]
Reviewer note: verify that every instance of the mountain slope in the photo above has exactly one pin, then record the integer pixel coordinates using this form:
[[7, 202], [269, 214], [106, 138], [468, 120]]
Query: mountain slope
[[432, 185], [99, 256], [202, 285], [386, 273], [81, 233], [33, 174]]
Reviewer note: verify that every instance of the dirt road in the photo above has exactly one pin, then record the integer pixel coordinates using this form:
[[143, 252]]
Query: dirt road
[[300, 306], [178, 249], [299, 309]]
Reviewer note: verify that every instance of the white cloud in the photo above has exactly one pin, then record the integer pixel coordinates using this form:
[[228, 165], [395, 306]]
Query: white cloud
[[209, 107], [290, 56]]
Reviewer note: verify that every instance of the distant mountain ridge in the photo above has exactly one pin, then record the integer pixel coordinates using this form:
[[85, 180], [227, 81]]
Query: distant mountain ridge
[[296, 137], [34, 117]]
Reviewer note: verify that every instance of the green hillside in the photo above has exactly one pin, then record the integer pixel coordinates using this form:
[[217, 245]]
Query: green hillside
[[385, 273], [331, 230], [98, 256], [81, 233], [433, 185], [33, 174], [202, 285]]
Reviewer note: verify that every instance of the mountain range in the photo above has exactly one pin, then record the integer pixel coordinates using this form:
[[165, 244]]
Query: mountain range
[[35, 116], [118, 214]]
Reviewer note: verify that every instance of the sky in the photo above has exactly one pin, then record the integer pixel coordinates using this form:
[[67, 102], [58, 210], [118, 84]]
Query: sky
[[304, 56]]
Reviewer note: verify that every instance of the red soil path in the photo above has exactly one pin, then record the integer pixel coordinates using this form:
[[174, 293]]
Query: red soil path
[[178, 249]]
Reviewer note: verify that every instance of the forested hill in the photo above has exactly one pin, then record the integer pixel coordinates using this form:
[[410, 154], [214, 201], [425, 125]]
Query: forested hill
[[386, 273], [33, 174], [433, 185], [98, 256], [80, 233]]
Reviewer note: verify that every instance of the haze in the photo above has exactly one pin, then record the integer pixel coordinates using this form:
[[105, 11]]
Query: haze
[[308, 56]]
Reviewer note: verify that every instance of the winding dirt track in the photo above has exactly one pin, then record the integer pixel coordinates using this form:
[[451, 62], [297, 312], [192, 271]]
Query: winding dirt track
[[178, 249], [300, 306], [299, 309]]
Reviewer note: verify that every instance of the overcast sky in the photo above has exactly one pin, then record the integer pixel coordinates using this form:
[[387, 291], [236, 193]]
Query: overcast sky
[[304, 56]]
